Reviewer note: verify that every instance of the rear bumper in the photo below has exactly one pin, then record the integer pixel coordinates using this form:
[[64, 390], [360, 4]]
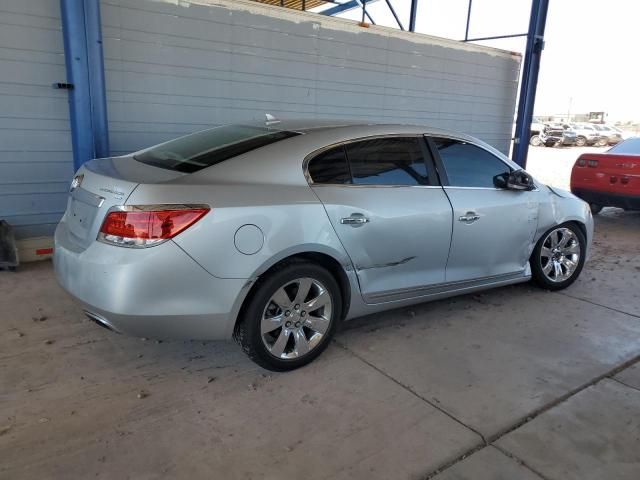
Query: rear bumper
[[607, 199], [157, 292]]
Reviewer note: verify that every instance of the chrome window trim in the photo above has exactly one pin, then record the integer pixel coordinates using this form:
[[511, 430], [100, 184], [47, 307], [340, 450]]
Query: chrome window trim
[[343, 143], [316, 185]]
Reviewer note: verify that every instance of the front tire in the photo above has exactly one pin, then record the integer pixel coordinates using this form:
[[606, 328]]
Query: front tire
[[581, 141], [559, 256], [290, 317], [535, 141]]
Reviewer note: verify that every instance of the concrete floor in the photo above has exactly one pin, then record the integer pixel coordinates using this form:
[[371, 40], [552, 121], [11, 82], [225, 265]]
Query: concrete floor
[[513, 383]]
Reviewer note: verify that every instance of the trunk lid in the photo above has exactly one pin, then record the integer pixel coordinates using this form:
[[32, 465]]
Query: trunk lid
[[105, 183]]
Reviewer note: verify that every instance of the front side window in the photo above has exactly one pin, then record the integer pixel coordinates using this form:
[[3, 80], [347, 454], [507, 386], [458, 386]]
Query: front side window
[[387, 161], [200, 150], [468, 165]]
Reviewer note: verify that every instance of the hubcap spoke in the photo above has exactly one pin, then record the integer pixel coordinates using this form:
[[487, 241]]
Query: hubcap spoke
[[546, 252], [547, 268], [318, 324], [304, 286], [320, 301], [566, 236], [557, 270], [302, 344], [277, 349], [281, 299], [272, 323], [571, 249]]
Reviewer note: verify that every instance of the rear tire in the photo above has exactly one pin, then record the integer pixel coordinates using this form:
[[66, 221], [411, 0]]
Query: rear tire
[[581, 141], [290, 317], [535, 141], [595, 208], [558, 257]]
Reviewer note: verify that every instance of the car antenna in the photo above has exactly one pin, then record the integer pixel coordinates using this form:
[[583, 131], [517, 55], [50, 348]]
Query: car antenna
[[270, 120]]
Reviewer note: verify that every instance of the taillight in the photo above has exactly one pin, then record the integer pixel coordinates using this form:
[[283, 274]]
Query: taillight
[[582, 163], [142, 226], [593, 163]]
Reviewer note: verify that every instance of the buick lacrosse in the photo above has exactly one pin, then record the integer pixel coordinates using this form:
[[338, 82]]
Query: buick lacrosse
[[273, 234]]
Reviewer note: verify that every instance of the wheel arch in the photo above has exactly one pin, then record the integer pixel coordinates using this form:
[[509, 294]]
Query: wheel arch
[[324, 257]]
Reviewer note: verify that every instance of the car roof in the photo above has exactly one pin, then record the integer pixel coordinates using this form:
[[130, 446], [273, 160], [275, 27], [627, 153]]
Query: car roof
[[357, 128], [281, 162]]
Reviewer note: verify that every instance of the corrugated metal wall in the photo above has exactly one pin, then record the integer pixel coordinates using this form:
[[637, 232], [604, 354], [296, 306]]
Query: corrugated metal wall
[[174, 67], [35, 143], [171, 69]]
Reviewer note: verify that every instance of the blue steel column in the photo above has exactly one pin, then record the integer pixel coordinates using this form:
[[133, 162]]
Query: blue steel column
[[97, 84], [83, 59], [530, 70]]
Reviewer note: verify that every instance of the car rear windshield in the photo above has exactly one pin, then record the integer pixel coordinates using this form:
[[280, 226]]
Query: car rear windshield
[[200, 150], [631, 146]]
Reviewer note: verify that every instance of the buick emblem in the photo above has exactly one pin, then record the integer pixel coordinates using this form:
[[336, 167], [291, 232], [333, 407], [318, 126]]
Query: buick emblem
[[75, 183]]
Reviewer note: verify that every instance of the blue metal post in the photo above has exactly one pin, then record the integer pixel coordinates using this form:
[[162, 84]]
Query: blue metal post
[[412, 15], [97, 83], [85, 71], [530, 70]]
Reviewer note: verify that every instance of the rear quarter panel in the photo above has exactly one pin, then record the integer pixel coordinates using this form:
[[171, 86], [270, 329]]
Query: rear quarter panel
[[291, 218]]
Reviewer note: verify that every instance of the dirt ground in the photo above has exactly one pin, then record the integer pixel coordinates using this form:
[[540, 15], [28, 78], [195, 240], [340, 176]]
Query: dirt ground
[[513, 383]]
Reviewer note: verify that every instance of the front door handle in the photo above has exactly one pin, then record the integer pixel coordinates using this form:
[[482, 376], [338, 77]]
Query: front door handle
[[355, 220], [469, 217]]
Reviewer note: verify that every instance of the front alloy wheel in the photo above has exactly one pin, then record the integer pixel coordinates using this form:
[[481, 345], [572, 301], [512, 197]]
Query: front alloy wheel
[[559, 257]]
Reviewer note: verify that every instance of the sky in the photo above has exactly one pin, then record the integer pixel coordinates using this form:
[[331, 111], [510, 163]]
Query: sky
[[591, 46]]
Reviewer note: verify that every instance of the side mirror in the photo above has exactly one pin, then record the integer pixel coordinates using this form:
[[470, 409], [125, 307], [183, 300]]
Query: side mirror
[[520, 180]]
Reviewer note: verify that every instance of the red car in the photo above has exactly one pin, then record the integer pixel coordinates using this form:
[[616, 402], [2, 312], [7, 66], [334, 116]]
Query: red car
[[610, 179]]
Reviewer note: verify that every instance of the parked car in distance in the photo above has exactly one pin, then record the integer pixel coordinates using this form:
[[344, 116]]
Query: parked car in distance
[[552, 135], [611, 136], [586, 134], [275, 233], [610, 179]]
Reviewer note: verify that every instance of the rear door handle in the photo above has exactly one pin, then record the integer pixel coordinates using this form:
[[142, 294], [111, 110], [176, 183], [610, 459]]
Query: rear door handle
[[469, 217], [355, 220]]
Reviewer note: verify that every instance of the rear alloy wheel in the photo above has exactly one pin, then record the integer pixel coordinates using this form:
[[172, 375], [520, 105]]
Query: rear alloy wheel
[[558, 257], [291, 317], [581, 141], [603, 142]]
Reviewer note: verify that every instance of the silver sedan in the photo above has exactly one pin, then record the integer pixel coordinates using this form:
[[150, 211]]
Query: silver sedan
[[275, 233]]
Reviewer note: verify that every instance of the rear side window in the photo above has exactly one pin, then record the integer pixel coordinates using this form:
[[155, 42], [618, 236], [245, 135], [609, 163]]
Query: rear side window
[[467, 165], [330, 167], [200, 150], [387, 161]]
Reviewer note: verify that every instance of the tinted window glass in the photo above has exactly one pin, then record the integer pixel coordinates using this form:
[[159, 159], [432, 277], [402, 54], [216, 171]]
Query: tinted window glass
[[330, 167], [387, 161], [630, 146], [467, 165], [202, 149]]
